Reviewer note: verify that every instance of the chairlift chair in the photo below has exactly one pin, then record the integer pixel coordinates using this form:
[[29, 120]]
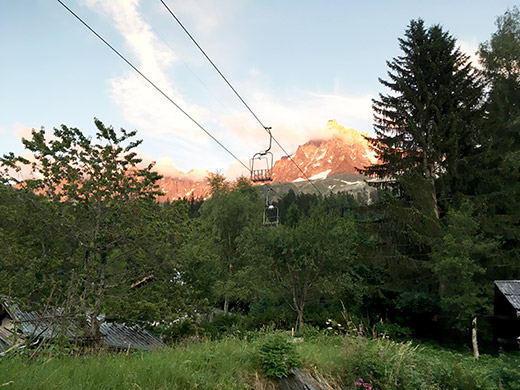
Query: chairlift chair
[[271, 212], [271, 215], [262, 163], [262, 167]]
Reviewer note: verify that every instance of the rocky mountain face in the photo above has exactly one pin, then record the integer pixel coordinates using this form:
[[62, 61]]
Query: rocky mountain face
[[331, 163], [345, 151], [183, 187]]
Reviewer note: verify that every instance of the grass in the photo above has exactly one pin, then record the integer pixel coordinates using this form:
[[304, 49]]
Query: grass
[[210, 365], [355, 363], [346, 363]]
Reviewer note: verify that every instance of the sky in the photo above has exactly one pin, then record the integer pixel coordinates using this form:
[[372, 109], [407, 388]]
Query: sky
[[296, 63]]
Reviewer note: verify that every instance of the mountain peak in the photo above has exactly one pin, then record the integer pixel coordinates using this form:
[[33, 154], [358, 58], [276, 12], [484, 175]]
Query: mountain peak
[[349, 136], [342, 152], [346, 150]]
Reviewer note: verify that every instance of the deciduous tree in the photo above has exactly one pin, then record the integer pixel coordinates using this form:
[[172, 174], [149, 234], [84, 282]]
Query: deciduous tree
[[310, 258], [224, 217], [102, 208]]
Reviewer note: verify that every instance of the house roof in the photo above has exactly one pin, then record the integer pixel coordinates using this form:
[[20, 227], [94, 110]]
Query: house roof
[[511, 290], [49, 323]]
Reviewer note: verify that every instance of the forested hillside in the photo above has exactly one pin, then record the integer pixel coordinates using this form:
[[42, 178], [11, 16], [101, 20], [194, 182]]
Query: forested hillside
[[86, 233]]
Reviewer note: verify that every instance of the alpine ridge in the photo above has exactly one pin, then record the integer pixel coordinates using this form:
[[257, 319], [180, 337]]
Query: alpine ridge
[[346, 150], [338, 154]]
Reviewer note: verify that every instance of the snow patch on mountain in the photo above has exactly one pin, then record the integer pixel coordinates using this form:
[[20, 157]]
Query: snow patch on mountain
[[323, 153], [321, 175]]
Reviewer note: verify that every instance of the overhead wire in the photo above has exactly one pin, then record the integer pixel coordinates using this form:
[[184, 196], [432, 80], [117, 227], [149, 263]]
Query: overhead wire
[[267, 129], [212, 63], [152, 84], [178, 56]]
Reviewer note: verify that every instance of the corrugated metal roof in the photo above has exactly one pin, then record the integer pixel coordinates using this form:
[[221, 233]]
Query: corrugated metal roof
[[123, 336], [50, 323], [511, 290], [39, 323], [5, 339]]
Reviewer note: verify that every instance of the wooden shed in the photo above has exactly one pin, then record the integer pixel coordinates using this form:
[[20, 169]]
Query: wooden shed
[[507, 314]]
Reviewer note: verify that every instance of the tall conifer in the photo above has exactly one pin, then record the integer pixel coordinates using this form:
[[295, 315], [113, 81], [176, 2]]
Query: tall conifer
[[425, 127]]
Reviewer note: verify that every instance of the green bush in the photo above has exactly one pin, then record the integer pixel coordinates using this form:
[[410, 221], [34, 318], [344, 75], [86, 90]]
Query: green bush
[[309, 332], [506, 371], [277, 355], [389, 365]]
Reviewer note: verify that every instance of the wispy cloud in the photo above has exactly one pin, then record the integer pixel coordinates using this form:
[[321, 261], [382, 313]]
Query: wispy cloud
[[299, 120], [295, 119], [140, 103]]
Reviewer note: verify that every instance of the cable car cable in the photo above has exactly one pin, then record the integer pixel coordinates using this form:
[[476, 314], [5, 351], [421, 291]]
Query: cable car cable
[[152, 84], [211, 62], [178, 56], [240, 97]]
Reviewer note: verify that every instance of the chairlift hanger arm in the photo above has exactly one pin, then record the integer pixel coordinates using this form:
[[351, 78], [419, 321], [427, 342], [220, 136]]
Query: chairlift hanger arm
[[268, 129]]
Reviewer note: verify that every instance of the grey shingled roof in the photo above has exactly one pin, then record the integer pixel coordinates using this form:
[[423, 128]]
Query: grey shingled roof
[[511, 290]]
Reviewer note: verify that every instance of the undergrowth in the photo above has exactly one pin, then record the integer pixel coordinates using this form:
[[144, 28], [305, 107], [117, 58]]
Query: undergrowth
[[346, 362]]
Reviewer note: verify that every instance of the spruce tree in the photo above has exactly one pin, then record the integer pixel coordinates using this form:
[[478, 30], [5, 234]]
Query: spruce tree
[[427, 134], [425, 127]]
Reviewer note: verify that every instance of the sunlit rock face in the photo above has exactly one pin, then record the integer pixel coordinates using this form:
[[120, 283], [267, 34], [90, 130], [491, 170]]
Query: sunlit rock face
[[184, 185], [343, 152]]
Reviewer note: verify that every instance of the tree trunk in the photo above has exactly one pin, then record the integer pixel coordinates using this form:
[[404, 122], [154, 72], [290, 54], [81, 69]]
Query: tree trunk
[[442, 286], [474, 340], [299, 319], [230, 276], [428, 171], [98, 293], [431, 181], [226, 305], [434, 196]]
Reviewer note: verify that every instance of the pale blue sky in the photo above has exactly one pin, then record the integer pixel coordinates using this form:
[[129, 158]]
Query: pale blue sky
[[296, 63]]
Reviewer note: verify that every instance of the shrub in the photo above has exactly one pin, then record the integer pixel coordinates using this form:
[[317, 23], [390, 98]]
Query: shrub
[[278, 355], [506, 371]]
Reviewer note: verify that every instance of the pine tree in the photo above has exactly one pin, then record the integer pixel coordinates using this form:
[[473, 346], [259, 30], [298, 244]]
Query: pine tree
[[425, 127]]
